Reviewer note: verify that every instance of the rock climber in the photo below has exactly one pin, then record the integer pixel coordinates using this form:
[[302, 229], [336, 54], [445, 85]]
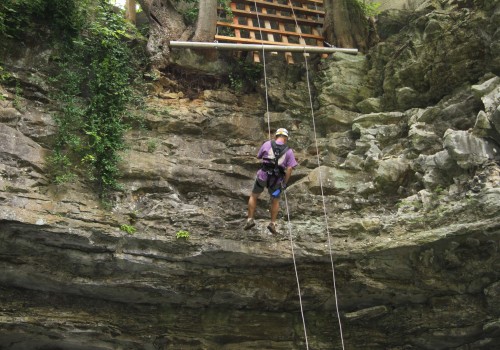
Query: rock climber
[[278, 162]]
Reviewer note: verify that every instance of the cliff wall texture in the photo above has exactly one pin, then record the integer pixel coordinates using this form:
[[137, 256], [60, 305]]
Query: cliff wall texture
[[407, 157]]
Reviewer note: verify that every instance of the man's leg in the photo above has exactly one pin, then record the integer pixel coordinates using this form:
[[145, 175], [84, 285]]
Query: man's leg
[[252, 204], [275, 206]]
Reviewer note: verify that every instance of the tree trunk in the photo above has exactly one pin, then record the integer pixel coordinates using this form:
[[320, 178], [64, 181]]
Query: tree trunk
[[206, 27], [347, 26], [165, 24], [130, 11], [207, 21]]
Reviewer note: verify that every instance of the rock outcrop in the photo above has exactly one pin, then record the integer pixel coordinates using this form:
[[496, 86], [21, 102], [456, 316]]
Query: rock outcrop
[[406, 154]]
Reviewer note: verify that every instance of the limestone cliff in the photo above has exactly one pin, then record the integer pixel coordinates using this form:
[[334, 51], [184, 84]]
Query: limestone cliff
[[408, 145]]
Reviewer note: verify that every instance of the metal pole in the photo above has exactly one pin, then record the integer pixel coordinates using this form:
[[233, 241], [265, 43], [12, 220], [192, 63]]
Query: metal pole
[[259, 47]]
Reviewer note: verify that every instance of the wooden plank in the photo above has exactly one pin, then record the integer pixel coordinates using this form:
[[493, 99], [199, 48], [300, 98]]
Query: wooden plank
[[279, 7], [237, 32], [250, 22], [314, 29], [310, 2], [310, 13], [282, 31], [232, 39], [314, 2], [255, 54], [289, 19], [284, 40], [267, 25]]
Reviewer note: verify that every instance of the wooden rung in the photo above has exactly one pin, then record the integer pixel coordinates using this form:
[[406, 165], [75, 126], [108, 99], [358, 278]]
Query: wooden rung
[[233, 39], [280, 31], [256, 57], [275, 6], [313, 2], [290, 19], [267, 25], [284, 39], [291, 16], [250, 23], [237, 32]]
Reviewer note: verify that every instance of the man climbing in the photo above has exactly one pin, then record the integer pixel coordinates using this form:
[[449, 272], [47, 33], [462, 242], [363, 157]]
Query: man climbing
[[278, 161]]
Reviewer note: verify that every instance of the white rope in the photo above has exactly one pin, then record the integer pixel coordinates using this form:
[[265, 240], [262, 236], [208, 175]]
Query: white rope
[[265, 74], [286, 201], [321, 183], [296, 273]]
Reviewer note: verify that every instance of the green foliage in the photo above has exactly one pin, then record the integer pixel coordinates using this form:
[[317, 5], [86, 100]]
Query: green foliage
[[95, 86], [4, 76], [224, 4], [226, 31], [22, 18], [128, 228], [60, 168], [152, 145], [189, 9], [368, 7], [244, 76], [182, 234], [17, 97]]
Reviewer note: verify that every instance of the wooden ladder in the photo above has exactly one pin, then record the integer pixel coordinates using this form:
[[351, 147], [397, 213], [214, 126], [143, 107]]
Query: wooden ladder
[[277, 24]]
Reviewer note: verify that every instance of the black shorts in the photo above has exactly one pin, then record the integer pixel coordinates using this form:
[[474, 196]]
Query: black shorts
[[259, 186]]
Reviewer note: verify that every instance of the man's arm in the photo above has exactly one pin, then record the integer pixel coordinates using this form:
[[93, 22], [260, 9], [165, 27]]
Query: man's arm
[[288, 173]]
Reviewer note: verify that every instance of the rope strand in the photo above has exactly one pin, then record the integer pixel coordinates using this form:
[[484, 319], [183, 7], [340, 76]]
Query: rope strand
[[265, 74], [321, 184], [289, 226], [286, 202]]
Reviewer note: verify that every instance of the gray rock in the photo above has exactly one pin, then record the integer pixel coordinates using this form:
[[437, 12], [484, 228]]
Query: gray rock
[[492, 294], [16, 148], [467, 150], [9, 116], [369, 105], [391, 173]]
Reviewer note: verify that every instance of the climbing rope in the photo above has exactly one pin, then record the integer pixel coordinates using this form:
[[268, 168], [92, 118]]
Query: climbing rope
[[265, 74], [286, 201], [289, 227], [320, 181]]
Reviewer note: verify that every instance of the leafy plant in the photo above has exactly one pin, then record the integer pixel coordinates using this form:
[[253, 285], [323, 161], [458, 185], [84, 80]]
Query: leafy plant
[[226, 31], [182, 234], [369, 8], [244, 76], [17, 97], [152, 145], [189, 9], [96, 76], [22, 18], [128, 228], [225, 5], [4, 76]]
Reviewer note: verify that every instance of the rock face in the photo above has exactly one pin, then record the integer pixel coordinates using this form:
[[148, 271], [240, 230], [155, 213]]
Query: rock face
[[406, 154]]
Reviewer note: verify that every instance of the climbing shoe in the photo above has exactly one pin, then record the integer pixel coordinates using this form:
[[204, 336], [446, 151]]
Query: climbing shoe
[[249, 224], [272, 228]]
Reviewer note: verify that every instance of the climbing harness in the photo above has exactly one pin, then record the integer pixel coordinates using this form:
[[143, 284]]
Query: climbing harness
[[273, 165]]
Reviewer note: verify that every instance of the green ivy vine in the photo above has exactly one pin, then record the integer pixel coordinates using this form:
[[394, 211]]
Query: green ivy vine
[[95, 80]]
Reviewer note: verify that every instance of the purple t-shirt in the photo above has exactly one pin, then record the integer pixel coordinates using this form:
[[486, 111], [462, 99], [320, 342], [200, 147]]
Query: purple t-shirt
[[288, 159]]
